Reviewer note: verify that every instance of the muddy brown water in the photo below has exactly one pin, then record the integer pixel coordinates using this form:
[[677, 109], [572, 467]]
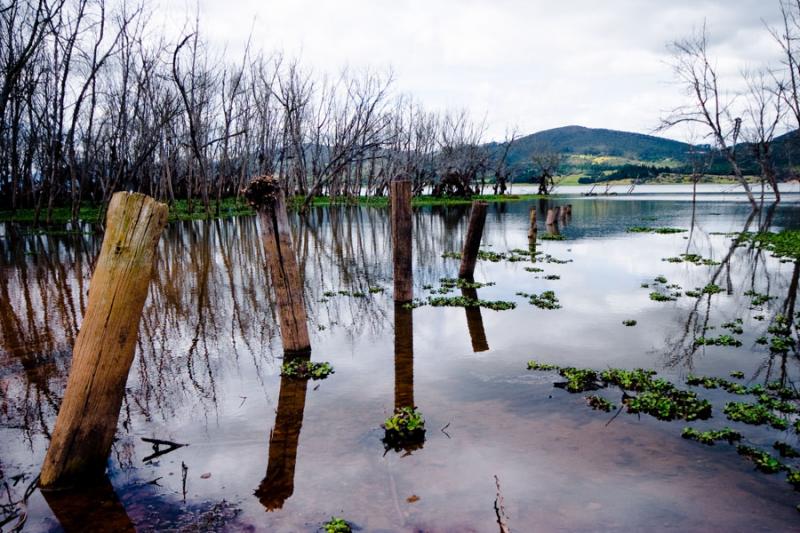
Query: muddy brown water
[[272, 454]]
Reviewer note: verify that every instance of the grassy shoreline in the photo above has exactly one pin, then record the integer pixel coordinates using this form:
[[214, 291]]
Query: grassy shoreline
[[231, 207]]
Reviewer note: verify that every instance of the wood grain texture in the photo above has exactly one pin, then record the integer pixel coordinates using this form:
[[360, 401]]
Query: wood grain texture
[[401, 240], [106, 343], [472, 242]]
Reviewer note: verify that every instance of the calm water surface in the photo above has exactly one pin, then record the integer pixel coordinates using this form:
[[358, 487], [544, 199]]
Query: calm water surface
[[272, 454]]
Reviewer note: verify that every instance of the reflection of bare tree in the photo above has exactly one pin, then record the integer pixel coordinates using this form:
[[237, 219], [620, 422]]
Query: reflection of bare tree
[[278, 485]]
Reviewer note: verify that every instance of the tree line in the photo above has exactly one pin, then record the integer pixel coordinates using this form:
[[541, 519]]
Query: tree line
[[93, 101]]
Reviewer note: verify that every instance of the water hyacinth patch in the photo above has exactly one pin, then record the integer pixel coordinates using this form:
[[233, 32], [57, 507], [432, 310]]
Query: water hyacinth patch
[[404, 429], [785, 450], [710, 437], [545, 300], [306, 369], [722, 340], [629, 323], [753, 413], [599, 404], [535, 365], [763, 461], [337, 525], [648, 229], [661, 297]]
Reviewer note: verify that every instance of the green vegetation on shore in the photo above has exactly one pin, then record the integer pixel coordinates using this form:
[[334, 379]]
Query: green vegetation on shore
[[232, 207]]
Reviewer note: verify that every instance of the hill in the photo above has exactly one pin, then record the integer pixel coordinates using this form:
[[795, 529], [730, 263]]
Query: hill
[[580, 141]]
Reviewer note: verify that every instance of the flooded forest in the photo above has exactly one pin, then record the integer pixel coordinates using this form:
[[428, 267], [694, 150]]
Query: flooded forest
[[238, 294]]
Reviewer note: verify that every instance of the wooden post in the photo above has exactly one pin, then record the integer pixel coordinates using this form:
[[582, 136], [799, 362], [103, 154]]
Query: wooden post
[[265, 195], [401, 240], [472, 243], [532, 228], [551, 217], [105, 346]]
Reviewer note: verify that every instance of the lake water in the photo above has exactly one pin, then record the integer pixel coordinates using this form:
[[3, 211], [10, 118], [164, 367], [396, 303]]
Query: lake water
[[273, 454]]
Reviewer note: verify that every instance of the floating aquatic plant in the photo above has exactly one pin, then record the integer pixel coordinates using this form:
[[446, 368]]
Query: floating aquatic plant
[[738, 374], [545, 300], [599, 404], [661, 297], [710, 437], [299, 369], [753, 413], [404, 429], [629, 323], [722, 340], [535, 365], [648, 229], [534, 269], [337, 525], [711, 289], [579, 379], [763, 460], [552, 277]]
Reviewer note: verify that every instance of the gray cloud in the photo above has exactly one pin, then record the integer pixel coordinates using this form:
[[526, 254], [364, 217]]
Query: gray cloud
[[530, 64]]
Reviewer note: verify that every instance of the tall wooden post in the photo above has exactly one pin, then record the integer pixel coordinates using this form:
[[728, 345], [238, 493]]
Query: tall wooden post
[[532, 227], [401, 240], [105, 346], [472, 243], [265, 195]]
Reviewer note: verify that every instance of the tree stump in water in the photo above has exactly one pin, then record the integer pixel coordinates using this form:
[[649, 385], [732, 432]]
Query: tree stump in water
[[472, 242], [401, 240], [265, 195], [106, 343]]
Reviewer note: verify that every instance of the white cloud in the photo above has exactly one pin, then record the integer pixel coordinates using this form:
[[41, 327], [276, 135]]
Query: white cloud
[[534, 64]]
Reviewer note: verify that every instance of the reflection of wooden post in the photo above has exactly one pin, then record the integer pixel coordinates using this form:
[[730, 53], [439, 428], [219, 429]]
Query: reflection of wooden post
[[265, 195], [93, 508], [278, 484], [472, 243], [403, 357], [401, 240], [569, 210], [563, 212], [475, 323], [551, 217], [532, 227], [105, 346]]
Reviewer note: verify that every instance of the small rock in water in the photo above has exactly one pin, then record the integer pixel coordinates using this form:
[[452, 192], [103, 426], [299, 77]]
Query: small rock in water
[[413, 498], [206, 475]]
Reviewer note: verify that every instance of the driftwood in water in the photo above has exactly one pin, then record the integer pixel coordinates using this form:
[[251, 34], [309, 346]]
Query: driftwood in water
[[401, 240], [472, 242], [105, 346], [265, 195]]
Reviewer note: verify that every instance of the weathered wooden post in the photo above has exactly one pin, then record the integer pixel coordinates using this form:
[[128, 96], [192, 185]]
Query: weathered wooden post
[[551, 217], [532, 228], [401, 240], [105, 346], [265, 195], [472, 242]]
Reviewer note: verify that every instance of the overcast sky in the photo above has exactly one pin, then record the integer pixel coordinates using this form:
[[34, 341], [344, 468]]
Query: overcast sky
[[533, 64]]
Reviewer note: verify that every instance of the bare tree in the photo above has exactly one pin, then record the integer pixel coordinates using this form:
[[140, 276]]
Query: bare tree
[[710, 107]]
